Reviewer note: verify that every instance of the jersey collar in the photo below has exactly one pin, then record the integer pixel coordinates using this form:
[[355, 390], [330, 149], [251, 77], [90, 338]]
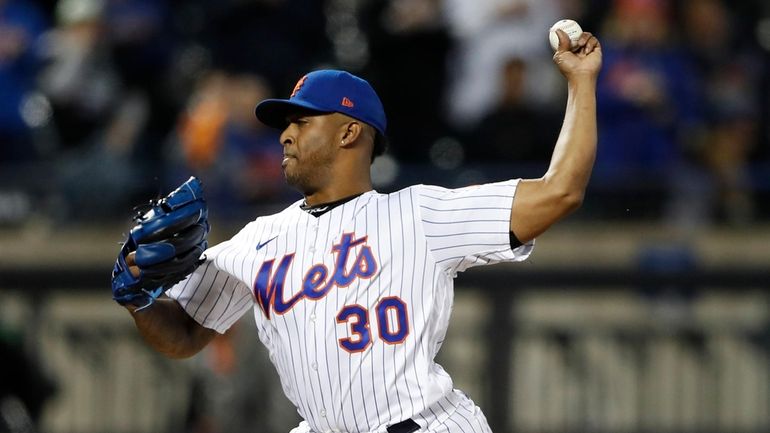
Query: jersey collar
[[320, 209]]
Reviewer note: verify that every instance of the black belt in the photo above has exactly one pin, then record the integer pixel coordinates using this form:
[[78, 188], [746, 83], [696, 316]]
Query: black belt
[[407, 426]]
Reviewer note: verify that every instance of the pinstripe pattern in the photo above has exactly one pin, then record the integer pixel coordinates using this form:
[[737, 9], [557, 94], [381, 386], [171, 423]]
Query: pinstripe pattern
[[298, 285]]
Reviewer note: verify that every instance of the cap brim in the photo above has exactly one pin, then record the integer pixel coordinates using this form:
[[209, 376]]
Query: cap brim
[[275, 112]]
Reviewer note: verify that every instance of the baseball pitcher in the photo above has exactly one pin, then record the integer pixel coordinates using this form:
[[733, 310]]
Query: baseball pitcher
[[351, 289]]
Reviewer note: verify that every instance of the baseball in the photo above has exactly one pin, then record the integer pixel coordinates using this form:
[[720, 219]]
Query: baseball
[[570, 27]]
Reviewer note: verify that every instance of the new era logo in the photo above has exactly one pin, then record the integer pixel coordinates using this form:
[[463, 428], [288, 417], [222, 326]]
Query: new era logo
[[347, 103]]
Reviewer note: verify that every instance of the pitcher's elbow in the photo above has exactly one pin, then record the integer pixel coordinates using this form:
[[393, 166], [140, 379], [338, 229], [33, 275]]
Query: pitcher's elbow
[[574, 200], [566, 192], [570, 201]]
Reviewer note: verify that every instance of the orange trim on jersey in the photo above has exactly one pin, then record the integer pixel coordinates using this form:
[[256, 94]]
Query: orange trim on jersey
[[366, 249], [268, 287], [321, 281], [317, 282], [381, 326], [350, 339], [361, 259]]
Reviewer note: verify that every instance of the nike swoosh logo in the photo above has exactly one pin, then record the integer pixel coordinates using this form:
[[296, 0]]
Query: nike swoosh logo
[[260, 245]]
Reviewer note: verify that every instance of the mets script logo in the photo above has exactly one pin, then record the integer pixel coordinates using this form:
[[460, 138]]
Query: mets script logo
[[298, 86], [269, 286]]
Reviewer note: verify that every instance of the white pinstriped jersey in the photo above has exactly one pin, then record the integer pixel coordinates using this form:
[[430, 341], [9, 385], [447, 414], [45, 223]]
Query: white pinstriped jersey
[[353, 305]]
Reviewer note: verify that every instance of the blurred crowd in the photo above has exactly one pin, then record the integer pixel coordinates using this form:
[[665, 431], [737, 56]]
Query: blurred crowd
[[104, 103]]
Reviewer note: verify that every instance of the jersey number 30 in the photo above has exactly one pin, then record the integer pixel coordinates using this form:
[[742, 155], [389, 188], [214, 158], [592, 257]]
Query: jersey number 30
[[392, 324]]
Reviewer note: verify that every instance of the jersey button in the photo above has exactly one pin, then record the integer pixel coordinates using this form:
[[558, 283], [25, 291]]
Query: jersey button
[[323, 413], [312, 317], [314, 366], [311, 249]]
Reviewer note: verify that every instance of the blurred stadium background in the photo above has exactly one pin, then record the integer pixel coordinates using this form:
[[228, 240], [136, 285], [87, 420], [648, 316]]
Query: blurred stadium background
[[647, 311]]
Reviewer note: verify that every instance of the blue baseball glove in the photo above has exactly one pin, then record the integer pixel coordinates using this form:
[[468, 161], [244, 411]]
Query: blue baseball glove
[[169, 238]]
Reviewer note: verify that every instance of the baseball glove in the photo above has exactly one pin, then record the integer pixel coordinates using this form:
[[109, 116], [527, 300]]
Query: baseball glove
[[168, 240]]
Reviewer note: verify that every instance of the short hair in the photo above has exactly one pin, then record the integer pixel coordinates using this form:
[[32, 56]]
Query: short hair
[[380, 144]]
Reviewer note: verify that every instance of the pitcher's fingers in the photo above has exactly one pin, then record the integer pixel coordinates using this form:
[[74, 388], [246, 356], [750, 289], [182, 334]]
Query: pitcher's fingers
[[564, 42], [131, 262], [583, 39], [591, 44], [135, 271]]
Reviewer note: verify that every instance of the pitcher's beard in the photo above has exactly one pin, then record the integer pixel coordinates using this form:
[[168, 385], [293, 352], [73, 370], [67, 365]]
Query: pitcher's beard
[[302, 182], [311, 172]]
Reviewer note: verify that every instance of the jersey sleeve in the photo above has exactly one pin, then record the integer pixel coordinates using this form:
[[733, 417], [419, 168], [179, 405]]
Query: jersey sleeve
[[470, 226], [211, 296]]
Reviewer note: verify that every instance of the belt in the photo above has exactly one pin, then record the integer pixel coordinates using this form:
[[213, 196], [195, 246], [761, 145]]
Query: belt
[[407, 426]]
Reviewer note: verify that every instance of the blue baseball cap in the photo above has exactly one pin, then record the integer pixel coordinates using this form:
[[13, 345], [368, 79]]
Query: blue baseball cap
[[327, 91]]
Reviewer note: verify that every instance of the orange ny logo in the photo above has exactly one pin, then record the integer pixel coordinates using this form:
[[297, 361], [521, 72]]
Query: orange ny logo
[[298, 85]]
